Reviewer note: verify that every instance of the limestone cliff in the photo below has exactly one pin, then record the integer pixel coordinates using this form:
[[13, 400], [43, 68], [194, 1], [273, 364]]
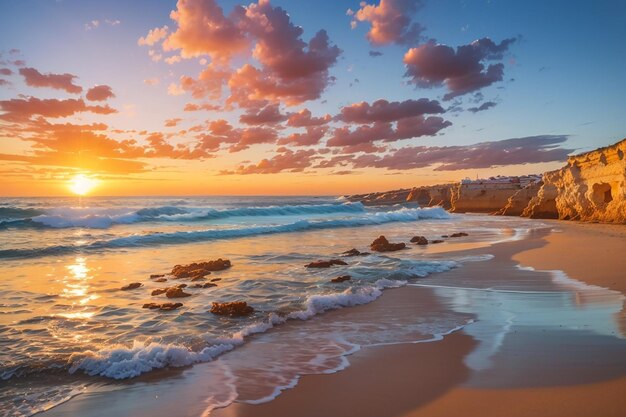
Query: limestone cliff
[[518, 202], [481, 198], [591, 187], [433, 195], [381, 198]]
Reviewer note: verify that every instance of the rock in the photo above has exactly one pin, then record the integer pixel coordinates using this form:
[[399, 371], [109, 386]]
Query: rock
[[176, 293], [159, 291], [341, 279], [216, 279], [163, 307], [420, 240], [200, 269], [232, 309], [381, 244], [436, 241], [160, 280], [170, 306], [157, 276], [131, 286], [325, 264], [354, 252], [482, 197], [432, 195], [205, 285], [198, 278], [520, 200], [459, 234], [445, 236]]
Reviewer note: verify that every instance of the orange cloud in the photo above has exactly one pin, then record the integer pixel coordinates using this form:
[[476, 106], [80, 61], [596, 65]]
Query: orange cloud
[[100, 93], [22, 109], [390, 21]]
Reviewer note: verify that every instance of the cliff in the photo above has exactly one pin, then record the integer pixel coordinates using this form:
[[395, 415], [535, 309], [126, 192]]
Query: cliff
[[591, 187], [518, 202], [481, 198], [433, 195]]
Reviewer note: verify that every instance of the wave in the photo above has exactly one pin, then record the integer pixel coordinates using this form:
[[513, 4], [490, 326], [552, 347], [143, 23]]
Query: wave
[[97, 218], [124, 362], [154, 239]]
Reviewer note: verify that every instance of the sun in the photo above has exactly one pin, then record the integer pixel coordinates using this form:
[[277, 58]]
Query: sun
[[81, 184]]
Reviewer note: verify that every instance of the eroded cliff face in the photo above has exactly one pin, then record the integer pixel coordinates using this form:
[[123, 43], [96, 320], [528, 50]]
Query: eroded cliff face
[[434, 195], [591, 187], [518, 202], [477, 198]]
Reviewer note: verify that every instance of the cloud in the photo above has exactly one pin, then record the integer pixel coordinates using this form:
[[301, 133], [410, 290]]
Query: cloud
[[268, 115], [34, 78], [153, 36], [485, 106], [390, 21], [4, 82], [290, 70], [172, 122], [461, 70], [94, 24], [525, 150], [312, 136], [375, 54], [99, 93], [303, 118], [406, 128], [285, 160], [253, 136], [198, 107], [203, 29], [151, 81], [385, 111], [23, 108], [5, 71]]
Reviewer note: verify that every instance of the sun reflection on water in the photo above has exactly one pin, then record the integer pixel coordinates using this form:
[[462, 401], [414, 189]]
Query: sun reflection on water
[[77, 283]]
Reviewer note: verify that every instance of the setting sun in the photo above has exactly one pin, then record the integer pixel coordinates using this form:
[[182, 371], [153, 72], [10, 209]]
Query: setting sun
[[81, 184]]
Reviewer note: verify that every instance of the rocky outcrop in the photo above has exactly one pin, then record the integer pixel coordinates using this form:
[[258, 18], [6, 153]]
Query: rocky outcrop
[[419, 240], [341, 279], [519, 201], [232, 309], [200, 269], [591, 187], [131, 286], [325, 264], [381, 244], [163, 306], [382, 198], [433, 195], [481, 198], [354, 252]]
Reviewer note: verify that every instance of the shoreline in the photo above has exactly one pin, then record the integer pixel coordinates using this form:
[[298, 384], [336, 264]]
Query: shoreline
[[407, 379]]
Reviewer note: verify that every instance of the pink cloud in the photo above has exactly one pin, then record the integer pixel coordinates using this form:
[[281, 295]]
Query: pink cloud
[[312, 136], [285, 160], [303, 118], [390, 21], [34, 78], [385, 111], [23, 108], [268, 115], [461, 70], [153, 36]]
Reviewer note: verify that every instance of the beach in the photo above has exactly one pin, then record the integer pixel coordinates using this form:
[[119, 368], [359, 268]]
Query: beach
[[531, 323]]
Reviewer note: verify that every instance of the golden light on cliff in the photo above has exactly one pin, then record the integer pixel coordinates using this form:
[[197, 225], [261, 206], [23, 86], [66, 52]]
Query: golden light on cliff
[[81, 184]]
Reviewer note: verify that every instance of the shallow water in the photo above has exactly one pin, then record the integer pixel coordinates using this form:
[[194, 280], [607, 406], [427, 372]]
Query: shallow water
[[67, 328]]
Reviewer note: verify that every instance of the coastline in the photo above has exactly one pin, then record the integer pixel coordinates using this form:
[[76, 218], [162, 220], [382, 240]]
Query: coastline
[[434, 378], [428, 380]]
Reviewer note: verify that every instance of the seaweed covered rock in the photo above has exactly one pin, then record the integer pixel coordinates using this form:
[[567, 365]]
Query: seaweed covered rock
[[176, 293], [341, 279], [381, 244], [459, 234], [232, 309]]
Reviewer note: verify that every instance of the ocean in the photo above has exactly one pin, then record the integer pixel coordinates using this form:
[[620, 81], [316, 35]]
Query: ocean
[[67, 327]]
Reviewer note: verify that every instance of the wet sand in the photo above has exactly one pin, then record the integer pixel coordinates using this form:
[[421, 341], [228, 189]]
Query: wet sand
[[571, 374]]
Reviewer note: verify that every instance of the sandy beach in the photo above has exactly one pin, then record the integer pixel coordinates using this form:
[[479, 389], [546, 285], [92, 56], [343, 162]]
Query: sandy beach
[[431, 379], [526, 352]]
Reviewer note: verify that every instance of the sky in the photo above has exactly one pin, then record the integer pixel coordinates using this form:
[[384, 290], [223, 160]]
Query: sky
[[218, 97]]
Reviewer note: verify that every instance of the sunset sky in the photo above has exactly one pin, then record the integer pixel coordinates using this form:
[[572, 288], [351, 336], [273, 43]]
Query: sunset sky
[[301, 97]]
